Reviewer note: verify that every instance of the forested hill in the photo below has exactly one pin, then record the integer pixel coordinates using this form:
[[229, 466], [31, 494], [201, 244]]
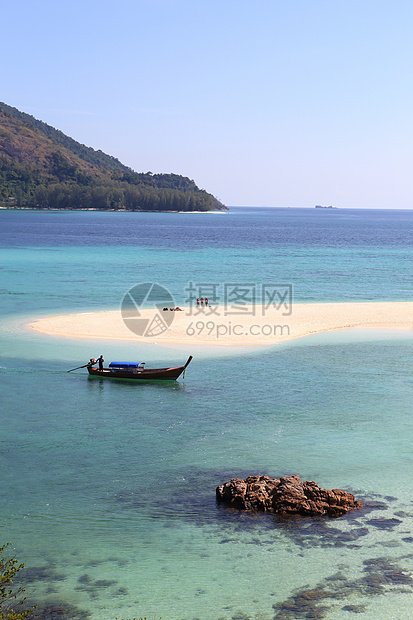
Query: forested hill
[[41, 167]]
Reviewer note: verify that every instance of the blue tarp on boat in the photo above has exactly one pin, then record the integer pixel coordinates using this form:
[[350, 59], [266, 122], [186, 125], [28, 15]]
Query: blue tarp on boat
[[125, 364]]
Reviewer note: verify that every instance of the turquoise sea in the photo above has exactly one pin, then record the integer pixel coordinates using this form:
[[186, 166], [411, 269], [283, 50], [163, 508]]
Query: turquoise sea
[[108, 488]]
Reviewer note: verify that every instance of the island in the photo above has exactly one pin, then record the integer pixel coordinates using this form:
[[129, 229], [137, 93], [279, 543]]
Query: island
[[42, 168]]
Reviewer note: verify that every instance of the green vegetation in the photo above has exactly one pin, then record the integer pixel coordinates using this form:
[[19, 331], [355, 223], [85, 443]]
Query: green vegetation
[[11, 599], [40, 167]]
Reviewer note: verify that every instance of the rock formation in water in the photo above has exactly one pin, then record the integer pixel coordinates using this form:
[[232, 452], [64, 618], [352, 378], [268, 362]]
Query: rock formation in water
[[285, 496]]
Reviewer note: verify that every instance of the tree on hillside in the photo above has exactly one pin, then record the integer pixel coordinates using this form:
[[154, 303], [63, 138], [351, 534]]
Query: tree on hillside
[[61, 167], [11, 599]]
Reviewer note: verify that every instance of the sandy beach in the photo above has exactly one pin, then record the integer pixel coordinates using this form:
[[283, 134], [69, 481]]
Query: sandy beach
[[220, 326]]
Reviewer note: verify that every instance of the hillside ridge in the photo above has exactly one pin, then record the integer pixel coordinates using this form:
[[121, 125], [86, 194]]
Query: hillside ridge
[[41, 167]]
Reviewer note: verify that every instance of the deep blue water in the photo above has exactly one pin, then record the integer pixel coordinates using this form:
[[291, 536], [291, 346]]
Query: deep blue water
[[243, 229], [108, 489]]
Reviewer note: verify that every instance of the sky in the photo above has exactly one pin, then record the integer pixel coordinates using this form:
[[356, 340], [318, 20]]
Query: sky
[[260, 102]]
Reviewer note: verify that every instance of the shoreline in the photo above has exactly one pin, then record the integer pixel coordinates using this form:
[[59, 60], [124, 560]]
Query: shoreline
[[216, 325], [9, 208]]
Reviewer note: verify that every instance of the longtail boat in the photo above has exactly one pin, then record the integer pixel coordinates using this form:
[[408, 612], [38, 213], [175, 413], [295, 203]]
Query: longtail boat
[[136, 371]]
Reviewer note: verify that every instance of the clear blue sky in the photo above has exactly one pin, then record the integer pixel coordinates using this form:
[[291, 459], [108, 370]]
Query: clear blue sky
[[261, 102]]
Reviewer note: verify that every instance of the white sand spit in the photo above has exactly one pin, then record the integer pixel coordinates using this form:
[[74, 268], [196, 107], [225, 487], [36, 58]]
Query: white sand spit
[[217, 325]]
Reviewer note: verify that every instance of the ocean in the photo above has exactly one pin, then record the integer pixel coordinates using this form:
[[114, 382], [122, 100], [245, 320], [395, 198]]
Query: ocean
[[108, 488]]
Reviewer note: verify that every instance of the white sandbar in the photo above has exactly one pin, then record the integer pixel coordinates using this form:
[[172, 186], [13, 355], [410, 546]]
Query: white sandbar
[[219, 326]]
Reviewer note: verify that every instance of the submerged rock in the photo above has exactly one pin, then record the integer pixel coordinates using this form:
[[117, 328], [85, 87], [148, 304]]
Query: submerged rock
[[285, 496]]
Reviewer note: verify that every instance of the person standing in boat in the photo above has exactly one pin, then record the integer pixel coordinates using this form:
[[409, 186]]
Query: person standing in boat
[[100, 361]]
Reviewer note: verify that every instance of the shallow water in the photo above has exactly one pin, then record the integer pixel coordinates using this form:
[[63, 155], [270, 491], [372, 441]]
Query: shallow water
[[108, 488]]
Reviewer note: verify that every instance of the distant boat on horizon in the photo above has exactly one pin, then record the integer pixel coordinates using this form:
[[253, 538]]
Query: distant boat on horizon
[[321, 207]]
